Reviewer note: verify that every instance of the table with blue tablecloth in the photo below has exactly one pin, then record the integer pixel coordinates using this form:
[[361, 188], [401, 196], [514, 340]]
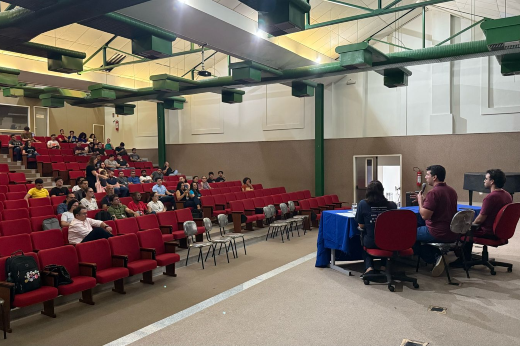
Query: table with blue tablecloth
[[338, 231]]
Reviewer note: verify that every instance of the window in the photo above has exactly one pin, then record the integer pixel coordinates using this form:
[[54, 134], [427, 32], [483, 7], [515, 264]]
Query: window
[[13, 118]]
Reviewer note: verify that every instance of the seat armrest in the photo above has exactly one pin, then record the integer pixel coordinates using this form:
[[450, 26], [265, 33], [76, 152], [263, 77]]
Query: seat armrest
[[49, 278], [120, 261], [165, 229], [220, 206], [237, 212], [199, 221], [249, 212], [170, 246], [87, 269], [147, 253]]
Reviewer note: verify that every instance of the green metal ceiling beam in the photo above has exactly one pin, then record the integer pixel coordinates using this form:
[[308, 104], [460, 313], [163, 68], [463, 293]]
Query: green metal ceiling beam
[[393, 3], [351, 5], [375, 13], [460, 32], [388, 43]]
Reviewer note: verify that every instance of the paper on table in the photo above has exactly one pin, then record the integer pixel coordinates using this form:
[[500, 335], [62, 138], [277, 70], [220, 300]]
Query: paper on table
[[347, 214]]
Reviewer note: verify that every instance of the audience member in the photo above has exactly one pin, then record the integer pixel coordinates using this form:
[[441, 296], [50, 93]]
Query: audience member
[[68, 216], [137, 205], [204, 185], [247, 184], [91, 174], [145, 178], [29, 150], [155, 205], [118, 210], [111, 162], [183, 195], [89, 201], [38, 191], [27, 135], [83, 229], [59, 189], [91, 138], [82, 137], [72, 138], [78, 184], [133, 179], [79, 150], [368, 210], [105, 202], [100, 165], [53, 143], [211, 177], [61, 137], [62, 207], [102, 178], [108, 145], [82, 193], [120, 150], [167, 170], [91, 148], [120, 190], [99, 149], [195, 179], [158, 174], [121, 179], [17, 148], [133, 156], [122, 162], [437, 208], [220, 177], [164, 194], [195, 194]]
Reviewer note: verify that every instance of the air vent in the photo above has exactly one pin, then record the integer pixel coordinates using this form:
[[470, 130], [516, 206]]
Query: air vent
[[502, 34]]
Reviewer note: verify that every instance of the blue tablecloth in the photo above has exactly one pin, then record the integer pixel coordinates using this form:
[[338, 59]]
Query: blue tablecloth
[[340, 232]]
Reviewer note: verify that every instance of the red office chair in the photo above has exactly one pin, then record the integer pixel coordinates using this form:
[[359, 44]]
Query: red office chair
[[395, 233], [503, 229]]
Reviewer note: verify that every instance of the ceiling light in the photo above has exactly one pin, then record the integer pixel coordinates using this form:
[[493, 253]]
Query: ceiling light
[[261, 33], [318, 59]]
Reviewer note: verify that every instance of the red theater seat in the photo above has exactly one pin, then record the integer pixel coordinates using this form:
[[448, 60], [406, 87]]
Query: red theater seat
[[238, 210], [12, 243], [138, 260], [17, 188], [165, 255], [47, 240], [147, 222], [127, 226], [184, 215], [13, 196], [209, 208], [36, 222], [169, 219], [42, 211], [39, 202], [16, 204], [13, 227], [15, 214], [17, 178]]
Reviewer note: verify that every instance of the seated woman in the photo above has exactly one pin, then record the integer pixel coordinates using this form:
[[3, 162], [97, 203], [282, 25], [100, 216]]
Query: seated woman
[[137, 205], [68, 216], [155, 206], [368, 210], [247, 185], [184, 194], [82, 138], [102, 178]]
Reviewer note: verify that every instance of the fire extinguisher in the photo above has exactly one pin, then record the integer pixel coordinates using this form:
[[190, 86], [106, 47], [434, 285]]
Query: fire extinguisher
[[116, 123], [419, 176]]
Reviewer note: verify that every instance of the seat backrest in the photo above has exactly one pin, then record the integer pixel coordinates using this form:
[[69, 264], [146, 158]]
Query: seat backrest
[[148, 187], [206, 201], [505, 223], [306, 194], [39, 202], [257, 186], [236, 206], [135, 188], [205, 192], [225, 190], [16, 204], [76, 174], [153, 239], [222, 220], [277, 199], [4, 179], [300, 195], [126, 226], [13, 196], [63, 255], [127, 244], [321, 201], [13, 243], [285, 197], [47, 240], [13, 227], [395, 230], [37, 221], [15, 214], [248, 204], [168, 218], [57, 200], [259, 193], [240, 195], [313, 203], [268, 200], [328, 199], [190, 228], [17, 188], [59, 166], [72, 166], [267, 212], [97, 251], [184, 215], [46, 210], [291, 206], [249, 194], [284, 208], [305, 205], [125, 200], [259, 202], [219, 199], [217, 191], [208, 225], [461, 222], [147, 222], [235, 189], [17, 178], [230, 197]]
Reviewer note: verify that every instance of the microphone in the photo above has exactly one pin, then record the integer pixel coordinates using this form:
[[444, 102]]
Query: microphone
[[423, 188]]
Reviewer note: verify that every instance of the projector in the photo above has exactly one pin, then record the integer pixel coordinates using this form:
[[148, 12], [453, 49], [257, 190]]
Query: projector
[[204, 73]]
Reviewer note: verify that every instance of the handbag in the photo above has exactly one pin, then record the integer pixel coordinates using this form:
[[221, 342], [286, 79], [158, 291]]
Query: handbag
[[63, 277], [99, 187]]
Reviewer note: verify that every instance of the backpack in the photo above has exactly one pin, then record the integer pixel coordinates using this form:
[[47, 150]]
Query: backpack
[[23, 272], [103, 216], [51, 223]]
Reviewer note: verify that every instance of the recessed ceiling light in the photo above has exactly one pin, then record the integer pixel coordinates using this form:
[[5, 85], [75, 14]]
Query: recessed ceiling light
[[318, 59]]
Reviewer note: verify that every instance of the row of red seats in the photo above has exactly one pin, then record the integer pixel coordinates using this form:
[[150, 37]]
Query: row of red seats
[[319, 204], [249, 194], [226, 184], [92, 263], [13, 178]]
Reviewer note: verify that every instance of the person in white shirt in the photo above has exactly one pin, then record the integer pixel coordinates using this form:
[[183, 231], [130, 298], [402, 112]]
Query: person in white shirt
[[53, 143], [78, 182], [67, 217], [145, 178], [83, 229], [89, 201], [155, 206]]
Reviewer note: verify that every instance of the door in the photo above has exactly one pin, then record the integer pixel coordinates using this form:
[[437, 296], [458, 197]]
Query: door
[[99, 131], [41, 121], [365, 171]]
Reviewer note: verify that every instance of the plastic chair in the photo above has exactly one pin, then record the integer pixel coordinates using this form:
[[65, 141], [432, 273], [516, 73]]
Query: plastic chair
[[190, 230], [222, 223], [222, 241]]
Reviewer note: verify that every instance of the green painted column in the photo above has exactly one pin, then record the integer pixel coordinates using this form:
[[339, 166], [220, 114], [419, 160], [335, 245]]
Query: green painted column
[[161, 134], [319, 165]]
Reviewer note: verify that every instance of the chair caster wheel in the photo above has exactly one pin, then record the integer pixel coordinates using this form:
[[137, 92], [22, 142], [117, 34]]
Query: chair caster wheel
[[493, 273], [415, 285], [509, 270], [366, 282], [391, 288]]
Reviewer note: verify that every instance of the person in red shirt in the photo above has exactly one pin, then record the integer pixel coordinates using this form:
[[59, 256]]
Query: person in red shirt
[[61, 137], [491, 205], [437, 208], [137, 205]]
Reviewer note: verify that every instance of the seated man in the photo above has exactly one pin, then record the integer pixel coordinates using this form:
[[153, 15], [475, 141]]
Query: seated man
[[79, 150], [122, 180], [122, 162], [120, 190], [118, 210], [27, 135], [82, 192], [61, 137], [220, 177], [211, 177], [98, 149], [111, 162], [62, 207], [17, 148], [437, 208], [105, 202], [133, 179], [137, 205], [77, 187], [83, 229], [120, 150], [164, 194], [133, 156], [53, 143], [72, 138], [491, 205], [38, 191], [59, 189], [29, 150], [158, 174], [145, 178]]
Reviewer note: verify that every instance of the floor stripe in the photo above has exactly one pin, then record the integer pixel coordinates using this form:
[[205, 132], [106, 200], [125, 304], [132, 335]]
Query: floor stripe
[[168, 321]]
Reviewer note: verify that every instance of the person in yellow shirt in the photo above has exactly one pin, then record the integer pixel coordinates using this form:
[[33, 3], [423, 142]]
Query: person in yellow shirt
[[38, 191]]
